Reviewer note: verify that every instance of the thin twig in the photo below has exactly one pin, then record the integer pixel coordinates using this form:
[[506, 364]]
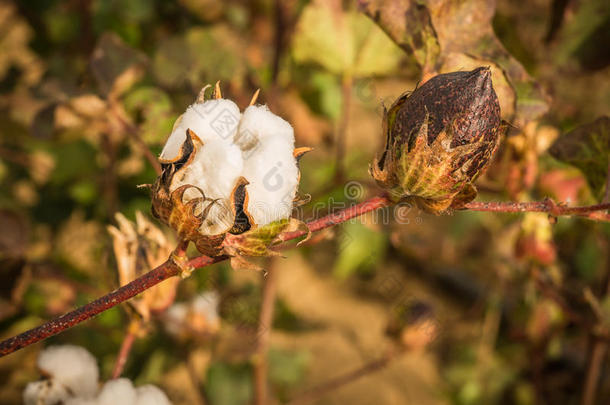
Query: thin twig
[[548, 206], [265, 323], [128, 340], [159, 274], [318, 392], [598, 348]]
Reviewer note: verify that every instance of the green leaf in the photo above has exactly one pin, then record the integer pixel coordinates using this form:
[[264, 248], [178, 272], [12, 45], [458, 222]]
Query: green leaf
[[343, 42], [287, 368], [359, 249], [155, 108], [588, 148], [229, 384], [200, 55]]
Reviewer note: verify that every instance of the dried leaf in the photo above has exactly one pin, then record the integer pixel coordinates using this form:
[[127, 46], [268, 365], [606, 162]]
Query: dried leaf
[[358, 48]]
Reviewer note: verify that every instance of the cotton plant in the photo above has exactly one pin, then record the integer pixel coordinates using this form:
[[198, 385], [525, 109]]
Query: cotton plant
[[230, 179], [71, 377]]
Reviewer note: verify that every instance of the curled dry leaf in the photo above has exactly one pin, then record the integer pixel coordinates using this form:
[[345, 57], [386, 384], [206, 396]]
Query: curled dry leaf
[[138, 248]]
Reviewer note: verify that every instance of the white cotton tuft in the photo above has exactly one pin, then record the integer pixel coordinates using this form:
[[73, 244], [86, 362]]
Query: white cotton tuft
[[45, 392], [270, 167], [215, 170], [72, 366], [151, 395], [210, 120], [117, 392]]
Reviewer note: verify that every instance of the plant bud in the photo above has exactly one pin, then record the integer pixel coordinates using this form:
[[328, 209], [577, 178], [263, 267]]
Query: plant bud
[[439, 139]]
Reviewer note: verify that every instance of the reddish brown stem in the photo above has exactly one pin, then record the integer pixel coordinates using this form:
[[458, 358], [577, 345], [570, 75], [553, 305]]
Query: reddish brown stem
[[265, 323], [548, 206], [155, 276], [126, 346]]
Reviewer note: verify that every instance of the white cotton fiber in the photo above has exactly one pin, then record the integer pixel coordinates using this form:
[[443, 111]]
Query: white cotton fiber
[[45, 392], [72, 366], [211, 120], [117, 392], [151, 395], [270, 167]]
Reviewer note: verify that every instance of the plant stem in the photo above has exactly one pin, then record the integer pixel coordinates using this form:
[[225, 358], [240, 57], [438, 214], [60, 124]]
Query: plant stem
[[547, 205], [265, 323], [159, 274], [130, 337], [318, 392]]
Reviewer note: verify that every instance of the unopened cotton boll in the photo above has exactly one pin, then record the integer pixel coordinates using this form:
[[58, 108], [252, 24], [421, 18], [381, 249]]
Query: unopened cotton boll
[[150, 395], [45, 392], [72, 366], [117, 392], [211, 120]]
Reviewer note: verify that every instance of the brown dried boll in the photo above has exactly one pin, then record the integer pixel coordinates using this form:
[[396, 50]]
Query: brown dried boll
[[439, 139]]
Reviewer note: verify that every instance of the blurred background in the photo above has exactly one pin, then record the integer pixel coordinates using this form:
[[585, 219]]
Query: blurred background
[[470, 308]]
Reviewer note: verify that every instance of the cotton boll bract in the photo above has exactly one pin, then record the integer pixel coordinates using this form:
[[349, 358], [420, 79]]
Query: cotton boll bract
[[214, 169], [72, 366]]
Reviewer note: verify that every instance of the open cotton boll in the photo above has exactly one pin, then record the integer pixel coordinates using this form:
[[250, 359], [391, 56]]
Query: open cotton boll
[[215, 170], [72, 366], [117, 392], [211, 120], [45, 392], [151, 395], [270, 166]]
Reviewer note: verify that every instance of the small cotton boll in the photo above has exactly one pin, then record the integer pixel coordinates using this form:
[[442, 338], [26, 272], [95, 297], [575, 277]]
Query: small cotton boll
[[174, 318], [206, 304], [117, 392], [151, 395], [211, 120], [72, 366], [45, 392]]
